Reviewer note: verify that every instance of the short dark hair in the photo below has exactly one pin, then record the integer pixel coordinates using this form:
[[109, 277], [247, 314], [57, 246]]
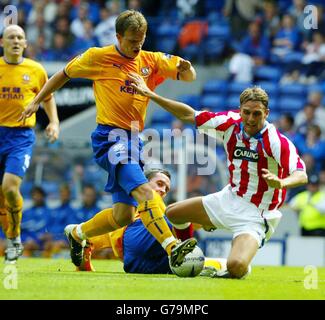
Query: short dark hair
[[150, 173], [38, 189]]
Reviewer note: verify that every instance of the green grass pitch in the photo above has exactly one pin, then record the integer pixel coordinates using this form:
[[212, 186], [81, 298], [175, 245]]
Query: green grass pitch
[[56, 279]]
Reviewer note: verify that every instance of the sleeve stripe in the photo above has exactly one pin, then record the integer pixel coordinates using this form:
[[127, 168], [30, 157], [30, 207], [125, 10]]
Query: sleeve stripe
[[64, 71]]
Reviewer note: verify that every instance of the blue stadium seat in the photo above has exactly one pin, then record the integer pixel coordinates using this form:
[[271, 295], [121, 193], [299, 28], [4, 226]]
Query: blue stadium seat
[[267, 73], [213, 102], [271, 88], [274, 116], [213, 47], [315, 87], [192, 100], [295, 56], [274, 105], [296, 90], [233, 102], [213, 6], [192, 52], [166, 37], [51, 188], [159, 127], [161, 116], [168, 30], [215, 86], [219, 31], [166, 44], [238, 87], [291, 105]]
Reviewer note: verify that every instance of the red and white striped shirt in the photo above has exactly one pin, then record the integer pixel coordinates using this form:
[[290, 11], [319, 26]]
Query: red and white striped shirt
[[246, 156]]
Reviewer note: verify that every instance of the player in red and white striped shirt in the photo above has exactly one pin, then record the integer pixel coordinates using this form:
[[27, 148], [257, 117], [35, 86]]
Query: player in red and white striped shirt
[[262, 164]]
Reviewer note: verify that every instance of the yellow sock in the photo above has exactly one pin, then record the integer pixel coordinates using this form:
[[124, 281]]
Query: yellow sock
[[103, 222], [14, 218], [153, 219], [101, 242], [4, 220]]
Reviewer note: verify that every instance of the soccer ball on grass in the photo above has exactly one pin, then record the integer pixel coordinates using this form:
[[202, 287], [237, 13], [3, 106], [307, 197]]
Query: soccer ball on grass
[[192, 265]]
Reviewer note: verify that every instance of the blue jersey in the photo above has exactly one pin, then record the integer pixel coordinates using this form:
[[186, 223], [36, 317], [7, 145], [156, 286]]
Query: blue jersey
[[35, 222], [60, 217], [142, 252]]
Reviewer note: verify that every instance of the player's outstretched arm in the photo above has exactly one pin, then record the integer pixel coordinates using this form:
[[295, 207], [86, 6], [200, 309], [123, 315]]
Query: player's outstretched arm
[[53, 129], [180, 110], [296, 179], [186, 71], [53, 84]]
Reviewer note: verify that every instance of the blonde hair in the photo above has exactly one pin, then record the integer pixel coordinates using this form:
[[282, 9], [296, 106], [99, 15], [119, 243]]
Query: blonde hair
[[130, 20], [254, 94]]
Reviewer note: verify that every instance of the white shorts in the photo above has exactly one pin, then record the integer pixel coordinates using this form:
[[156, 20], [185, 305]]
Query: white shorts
[[228, 211]]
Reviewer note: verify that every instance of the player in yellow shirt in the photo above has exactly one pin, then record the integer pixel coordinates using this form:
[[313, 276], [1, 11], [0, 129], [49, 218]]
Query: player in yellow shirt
[[21, 80], [120, 117]]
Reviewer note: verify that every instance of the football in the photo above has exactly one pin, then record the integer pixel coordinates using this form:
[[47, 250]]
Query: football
[[192, 265]]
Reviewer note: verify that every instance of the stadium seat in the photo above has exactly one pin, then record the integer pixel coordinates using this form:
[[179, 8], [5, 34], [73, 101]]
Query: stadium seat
[[236, 88], [267, 73], [213, 102], [215, 86], [192, 100], [291, 105], [294, 56], [271, 88], [159, 127], [168, 30], [219, 31], [166, 37], [296, 90], [51, 188], [273, 104], [213, 48], [315, 87], [192, 52], [274, 116], [161, 116], [233, 102]]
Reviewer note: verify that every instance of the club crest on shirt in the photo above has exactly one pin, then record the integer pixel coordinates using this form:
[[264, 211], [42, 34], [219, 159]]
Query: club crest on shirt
[[246, 154], [145, 71], [167, 56], [26, 78]]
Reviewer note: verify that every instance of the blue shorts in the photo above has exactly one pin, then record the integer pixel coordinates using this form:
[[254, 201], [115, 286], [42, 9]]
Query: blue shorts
[[119, 153], [15, 150], [142, 252]]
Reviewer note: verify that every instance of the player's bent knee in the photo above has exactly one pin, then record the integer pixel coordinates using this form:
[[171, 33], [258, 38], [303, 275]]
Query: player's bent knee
[[142, 193], [10, 192], [123, 217], [173, 215], [237, 267]]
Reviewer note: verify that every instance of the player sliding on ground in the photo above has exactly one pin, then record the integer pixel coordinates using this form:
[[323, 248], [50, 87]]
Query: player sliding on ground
[[116, 144], [136, 247], [262, 164]]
